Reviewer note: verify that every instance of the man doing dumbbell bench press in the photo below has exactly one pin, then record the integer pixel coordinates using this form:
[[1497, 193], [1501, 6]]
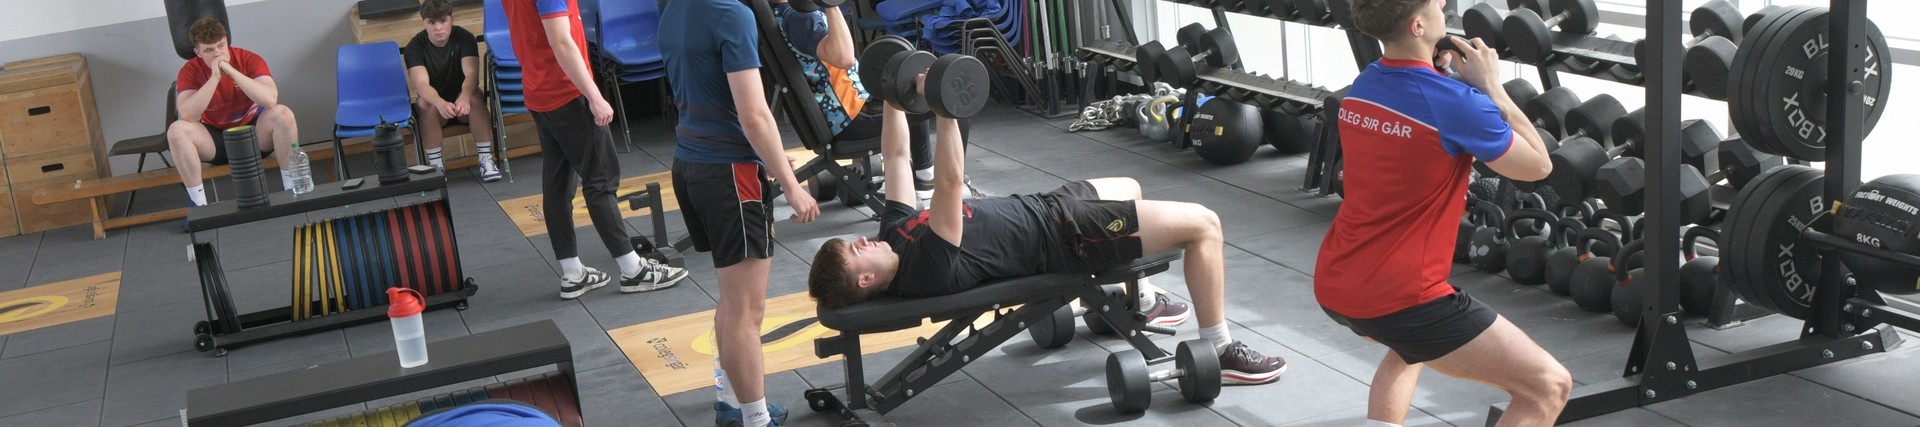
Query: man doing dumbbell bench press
[[1084, 226], [1383, 266], [823, 44]]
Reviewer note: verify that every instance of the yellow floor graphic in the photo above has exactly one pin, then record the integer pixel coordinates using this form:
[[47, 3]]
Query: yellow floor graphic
[[676, 354], [59, 303], [526, 212]]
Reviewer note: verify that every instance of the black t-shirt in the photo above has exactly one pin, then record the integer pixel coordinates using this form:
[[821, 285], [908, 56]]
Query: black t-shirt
[[443, 62], [1004, 237]]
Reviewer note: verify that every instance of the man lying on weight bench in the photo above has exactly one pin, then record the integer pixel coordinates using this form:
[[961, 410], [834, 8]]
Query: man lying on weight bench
[[1083, 226]]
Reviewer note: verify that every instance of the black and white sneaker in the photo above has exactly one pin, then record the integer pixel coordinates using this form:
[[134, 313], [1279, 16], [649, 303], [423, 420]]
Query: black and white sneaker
[[653, 276], [593, 279]]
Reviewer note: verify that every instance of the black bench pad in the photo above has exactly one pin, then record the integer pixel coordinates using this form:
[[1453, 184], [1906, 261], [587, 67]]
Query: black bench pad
[[890, 313]]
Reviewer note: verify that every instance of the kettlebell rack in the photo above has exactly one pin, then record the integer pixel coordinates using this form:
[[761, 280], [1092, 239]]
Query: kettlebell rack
[[226, 328]]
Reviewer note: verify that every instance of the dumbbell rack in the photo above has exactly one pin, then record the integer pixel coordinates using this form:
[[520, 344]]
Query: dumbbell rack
[[226, 328], [1661, 365]]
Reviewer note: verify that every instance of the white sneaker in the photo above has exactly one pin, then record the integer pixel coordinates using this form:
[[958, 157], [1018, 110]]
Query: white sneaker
[[653, 276], [593, 279], [489, 172]]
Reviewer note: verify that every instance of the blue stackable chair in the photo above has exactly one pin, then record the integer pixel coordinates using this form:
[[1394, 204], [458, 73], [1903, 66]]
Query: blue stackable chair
[[630, 49], [590, 19], [371, 85], [502, 70]]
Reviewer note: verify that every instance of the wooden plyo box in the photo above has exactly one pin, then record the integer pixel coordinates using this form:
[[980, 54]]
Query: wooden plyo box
[[49, 135]]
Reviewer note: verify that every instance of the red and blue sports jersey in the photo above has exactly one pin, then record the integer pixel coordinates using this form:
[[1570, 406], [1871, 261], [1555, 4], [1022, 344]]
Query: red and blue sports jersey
[[547, 86], [229, 106], [1410, 136]]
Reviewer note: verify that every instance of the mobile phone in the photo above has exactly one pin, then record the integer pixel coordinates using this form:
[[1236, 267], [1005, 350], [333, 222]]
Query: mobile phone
[[351, 183]]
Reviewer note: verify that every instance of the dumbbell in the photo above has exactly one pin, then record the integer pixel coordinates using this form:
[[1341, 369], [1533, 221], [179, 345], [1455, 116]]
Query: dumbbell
[[956, 85], [1315, 12], [813, 5], [1698, 139], [1621, 181], [1740, 163], [1196, 366], [1709, 54], [1580, 153], [1176, 65], [1528, 37], [1699, 275]]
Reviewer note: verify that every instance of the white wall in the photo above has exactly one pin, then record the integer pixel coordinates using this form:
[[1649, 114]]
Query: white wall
[[1322, 57], [28, 18]]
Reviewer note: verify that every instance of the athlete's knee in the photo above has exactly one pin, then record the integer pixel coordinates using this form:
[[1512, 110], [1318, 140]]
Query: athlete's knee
[[1204, 222], [1548, 386], [180, 134]]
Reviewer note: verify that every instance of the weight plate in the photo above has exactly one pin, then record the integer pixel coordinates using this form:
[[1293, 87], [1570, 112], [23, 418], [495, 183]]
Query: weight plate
[[901, 74], [1527, 37], [876, 55], [1145, 57], [1190, 35], [1737, 93], [1483, 22], [1580, 16], [1223, 53], [1882, 214], [1794, 94], [1742, 114], [1200, 381], [1746, 259], [960, 86], [1520, 91], [1127, 382]]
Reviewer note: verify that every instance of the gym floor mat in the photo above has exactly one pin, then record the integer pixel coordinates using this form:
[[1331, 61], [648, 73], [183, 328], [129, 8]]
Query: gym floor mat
[[59, 303], [527, 212]]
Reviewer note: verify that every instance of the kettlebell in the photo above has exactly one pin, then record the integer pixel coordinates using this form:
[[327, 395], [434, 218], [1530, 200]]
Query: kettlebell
[[1463, 241], [1564, 255], [1592, 283], [1626, 225], [1524, 227], [1489, 246], [1699, 275], [1628, 302], [1527, 256], [1154, 120]]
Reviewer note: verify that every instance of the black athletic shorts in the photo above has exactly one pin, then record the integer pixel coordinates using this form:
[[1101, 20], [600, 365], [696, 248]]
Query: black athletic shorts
[[220, 141], [727, 210], [1427, 331], [1096, 233]]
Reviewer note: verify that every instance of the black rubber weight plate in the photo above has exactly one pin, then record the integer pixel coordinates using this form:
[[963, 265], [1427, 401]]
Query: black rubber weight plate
[[1740, 96], [1742, 202], [1796, 101], [876, 55], [1757, 237]]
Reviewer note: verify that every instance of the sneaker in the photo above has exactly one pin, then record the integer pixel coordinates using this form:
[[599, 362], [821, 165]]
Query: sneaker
[[489, 172], [653, 276], [594, 279], [1167, 313], [725, 415], [923, 189], [1240, 364]]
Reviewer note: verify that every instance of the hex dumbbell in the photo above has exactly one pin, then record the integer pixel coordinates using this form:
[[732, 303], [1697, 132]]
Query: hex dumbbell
[[1529, 38]]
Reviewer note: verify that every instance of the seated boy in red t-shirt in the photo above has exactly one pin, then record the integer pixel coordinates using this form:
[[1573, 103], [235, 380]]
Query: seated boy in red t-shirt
[[241, 92]]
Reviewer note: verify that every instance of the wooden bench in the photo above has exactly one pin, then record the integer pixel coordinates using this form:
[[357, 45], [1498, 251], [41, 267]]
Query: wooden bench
[[101, 189]]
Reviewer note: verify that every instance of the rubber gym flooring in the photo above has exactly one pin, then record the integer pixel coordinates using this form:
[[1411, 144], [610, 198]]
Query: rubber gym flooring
[[134, 367]]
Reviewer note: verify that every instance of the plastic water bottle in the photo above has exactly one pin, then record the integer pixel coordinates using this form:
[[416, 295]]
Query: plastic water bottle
[[302, 172], [409, 335]]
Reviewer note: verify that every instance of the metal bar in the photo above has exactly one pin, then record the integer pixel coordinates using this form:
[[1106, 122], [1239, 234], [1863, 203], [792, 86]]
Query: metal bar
[[1892, 312], [1662, 220], [1832, 242]]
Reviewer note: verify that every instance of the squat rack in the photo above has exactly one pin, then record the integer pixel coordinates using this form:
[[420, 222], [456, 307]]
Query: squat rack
[[1661, 365]]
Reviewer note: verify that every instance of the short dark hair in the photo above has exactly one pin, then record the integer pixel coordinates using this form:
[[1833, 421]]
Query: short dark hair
[[206, 31], [1384, 19], [435, 10], [832, 282]]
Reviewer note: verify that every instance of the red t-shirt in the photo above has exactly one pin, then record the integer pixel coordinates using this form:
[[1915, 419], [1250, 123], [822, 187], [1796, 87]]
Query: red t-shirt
[[547, 86], [1410, 136], [230, 107]]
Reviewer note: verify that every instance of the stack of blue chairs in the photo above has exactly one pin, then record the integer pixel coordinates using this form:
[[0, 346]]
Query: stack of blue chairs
[[371, 86], [503, 78], [936, 23], [628, 37]]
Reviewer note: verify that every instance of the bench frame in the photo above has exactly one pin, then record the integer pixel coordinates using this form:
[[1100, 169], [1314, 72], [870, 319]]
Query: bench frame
[[959, 342]]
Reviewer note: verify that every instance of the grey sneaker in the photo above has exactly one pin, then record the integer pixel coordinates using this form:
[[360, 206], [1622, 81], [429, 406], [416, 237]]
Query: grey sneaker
[[653, 276], [1240, 364], [593, 279]]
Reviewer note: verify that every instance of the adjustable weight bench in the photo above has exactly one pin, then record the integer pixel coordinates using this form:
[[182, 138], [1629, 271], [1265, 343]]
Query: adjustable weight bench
[[1107, 299]]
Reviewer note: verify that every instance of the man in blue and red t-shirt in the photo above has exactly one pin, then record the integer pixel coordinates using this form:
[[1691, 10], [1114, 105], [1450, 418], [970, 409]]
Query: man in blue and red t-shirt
[[225, 87], [1410, 135], [572, 118]]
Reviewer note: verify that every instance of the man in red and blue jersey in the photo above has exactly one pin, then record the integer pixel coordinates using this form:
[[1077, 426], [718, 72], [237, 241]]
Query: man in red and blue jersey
[[1410, 135]]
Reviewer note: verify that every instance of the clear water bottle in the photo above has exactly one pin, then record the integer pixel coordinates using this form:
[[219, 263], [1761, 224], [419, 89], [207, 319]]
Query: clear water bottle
[[409, 335], [302, 172]]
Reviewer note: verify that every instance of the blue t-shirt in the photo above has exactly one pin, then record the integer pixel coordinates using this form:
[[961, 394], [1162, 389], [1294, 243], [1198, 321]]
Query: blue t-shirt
[[702, 41], [838, 92]]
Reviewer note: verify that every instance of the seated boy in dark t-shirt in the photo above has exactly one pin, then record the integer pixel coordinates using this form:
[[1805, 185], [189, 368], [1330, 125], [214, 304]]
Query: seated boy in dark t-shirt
[[443, 63], [1084, 226]]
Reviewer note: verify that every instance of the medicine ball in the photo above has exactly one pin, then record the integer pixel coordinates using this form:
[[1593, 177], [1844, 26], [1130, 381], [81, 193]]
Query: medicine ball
[[1883, 213], [1225, 132], [1286, 132]]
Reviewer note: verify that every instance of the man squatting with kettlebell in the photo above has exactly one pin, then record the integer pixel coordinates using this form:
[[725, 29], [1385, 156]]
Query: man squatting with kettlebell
[[1382, 269]]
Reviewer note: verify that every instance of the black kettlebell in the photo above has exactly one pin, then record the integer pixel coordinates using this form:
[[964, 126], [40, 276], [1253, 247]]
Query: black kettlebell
[[1625, 223], [1628, 302], [1565, 255], [1699, 275], [1592, 282], [1527, 256], [1489, 247], [1463, 241]]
